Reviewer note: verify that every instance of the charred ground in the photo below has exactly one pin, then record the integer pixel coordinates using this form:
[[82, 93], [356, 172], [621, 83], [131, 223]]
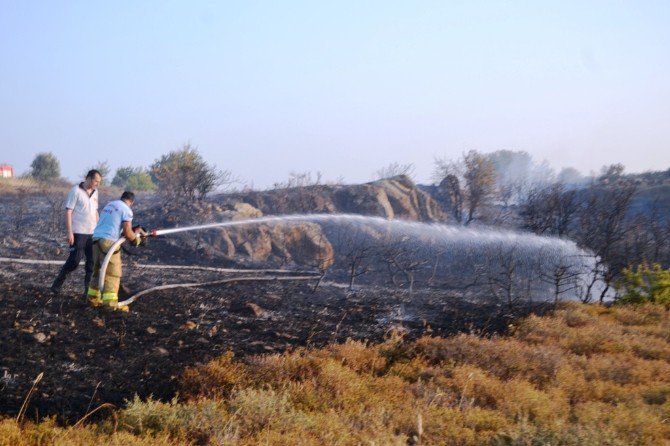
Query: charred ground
[[91, 357]]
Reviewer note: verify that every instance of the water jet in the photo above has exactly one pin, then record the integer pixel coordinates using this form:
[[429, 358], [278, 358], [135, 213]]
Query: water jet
[[460, 248]]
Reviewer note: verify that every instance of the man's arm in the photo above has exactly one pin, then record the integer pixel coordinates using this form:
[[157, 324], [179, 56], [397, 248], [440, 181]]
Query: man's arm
[[130, 235], [70, 203], [128, 231], [68, 226]]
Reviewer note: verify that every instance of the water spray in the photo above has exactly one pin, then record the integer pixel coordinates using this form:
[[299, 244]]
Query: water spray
[[457, 238], [158, 232]]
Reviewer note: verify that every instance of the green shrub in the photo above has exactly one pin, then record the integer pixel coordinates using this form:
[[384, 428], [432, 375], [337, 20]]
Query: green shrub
[[135, 179], [646, 284], [199, 421]]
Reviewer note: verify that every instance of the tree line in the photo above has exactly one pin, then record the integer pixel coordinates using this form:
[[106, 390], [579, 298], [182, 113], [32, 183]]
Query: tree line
[[179, 175]]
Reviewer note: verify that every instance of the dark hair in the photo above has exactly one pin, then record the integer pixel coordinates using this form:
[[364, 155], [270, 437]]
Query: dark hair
[[91, 173], [127, 195]]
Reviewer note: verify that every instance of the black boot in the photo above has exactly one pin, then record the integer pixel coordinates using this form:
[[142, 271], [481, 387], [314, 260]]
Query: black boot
[[58, 282]]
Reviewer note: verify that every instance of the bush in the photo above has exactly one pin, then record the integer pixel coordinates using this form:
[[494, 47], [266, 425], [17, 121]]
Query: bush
[[139, 182], [201, 421], [217, 378], [646, 284], [183, 175], [133, 178], [122, 174]]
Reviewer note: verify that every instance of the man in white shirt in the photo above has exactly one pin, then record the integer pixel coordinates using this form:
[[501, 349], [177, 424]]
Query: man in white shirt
[[81, 216]]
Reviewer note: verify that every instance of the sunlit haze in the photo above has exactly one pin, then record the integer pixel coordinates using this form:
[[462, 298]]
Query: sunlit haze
[[345, 88]]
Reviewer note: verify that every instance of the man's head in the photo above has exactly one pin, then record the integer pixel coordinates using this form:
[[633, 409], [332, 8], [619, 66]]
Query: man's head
[[128, 197], [93, 179]]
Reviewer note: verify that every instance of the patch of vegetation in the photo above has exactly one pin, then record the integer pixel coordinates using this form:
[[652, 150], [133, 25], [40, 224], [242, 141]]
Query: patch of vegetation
[[646, 284], [135, 179], [183, 175], [584, 375]]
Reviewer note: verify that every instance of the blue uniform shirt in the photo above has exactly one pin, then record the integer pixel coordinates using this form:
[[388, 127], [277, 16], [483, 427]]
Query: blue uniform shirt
[[112, 216]]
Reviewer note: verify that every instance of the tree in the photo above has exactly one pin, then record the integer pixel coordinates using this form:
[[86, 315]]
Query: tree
[[140, 181], [550, 210], [355, 248], [122, 174], [603, 227], [133, 178], [503, 274], [451, 194], [476, 182], [612, 172], [563, 275], [404, 257], [594, 271], [184, 175], [45, 167]]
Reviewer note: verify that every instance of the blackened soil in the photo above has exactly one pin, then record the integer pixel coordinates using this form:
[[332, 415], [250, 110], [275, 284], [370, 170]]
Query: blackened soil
[[90, 357]]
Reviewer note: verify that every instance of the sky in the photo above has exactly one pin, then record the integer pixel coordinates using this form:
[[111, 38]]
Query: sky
[[264, 89]]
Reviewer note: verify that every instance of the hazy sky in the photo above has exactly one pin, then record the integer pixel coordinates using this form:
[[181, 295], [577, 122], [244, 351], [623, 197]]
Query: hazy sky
[[266, 88]]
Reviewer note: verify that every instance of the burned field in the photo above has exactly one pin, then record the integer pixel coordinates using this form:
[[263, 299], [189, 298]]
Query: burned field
[[90, 357]]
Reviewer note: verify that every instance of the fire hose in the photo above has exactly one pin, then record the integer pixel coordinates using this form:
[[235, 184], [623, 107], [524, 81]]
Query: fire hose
[[117, 244], [154, 233], [134, 297]]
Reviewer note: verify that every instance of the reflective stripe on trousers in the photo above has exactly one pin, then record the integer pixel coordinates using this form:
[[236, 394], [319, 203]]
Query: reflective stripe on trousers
[[106, 297]]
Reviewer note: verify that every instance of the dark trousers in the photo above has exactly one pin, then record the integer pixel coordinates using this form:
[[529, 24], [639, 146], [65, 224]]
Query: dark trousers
[[83, 246]]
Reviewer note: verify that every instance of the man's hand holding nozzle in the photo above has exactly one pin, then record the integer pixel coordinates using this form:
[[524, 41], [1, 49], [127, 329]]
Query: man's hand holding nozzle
[[140, 236]]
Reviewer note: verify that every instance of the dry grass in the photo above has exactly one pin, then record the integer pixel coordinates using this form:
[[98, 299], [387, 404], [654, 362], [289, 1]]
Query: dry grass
[[23, 186], [48, 433], [587, 375]]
